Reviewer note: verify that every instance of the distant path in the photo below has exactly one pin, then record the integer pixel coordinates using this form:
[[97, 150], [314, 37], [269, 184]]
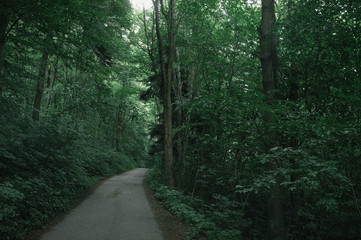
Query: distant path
[[117, 210]]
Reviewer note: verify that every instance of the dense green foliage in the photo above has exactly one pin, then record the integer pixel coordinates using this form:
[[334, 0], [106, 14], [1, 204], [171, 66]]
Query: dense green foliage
[[70, 114], [222, 142], [74, 109], [44, 167]]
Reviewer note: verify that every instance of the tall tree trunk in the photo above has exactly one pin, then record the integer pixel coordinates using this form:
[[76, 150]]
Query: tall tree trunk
[[185, 88], [181, 137], [40, 86], [167, 86], [51, 85], [167, 70], [268, 56]]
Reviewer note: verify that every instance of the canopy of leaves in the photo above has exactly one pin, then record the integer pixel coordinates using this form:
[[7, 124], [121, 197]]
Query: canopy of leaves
[[91, 123], [221, 139]]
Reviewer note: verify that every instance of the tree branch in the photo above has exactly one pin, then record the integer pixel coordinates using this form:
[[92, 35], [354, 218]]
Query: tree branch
[[163, 10], [12, 26]]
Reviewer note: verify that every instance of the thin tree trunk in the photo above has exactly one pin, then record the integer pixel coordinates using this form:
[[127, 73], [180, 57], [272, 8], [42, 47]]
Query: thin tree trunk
[[185, 141], [117, 136], [268, 56], [178, 138], [119, 117], [181, 136], [40, 86], [51, 85], [149, 42]]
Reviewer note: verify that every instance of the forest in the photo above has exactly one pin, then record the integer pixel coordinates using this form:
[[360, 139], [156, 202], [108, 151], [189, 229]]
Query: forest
[[247, 112]]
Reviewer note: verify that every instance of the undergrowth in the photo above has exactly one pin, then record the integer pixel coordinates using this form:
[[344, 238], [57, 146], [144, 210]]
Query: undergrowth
[[43, 168], [211, 221]]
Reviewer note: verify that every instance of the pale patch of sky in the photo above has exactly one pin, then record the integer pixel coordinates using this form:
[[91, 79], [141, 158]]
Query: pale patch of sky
[[138, 4], [256, 3]]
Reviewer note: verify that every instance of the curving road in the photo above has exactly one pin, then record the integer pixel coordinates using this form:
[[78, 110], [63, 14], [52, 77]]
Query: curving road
[[117, 210]]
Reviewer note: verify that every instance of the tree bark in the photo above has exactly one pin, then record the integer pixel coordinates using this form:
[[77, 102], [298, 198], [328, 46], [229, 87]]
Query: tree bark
[[268, 57], [167, 86], [167, 70], [40, 86], [51, 85]]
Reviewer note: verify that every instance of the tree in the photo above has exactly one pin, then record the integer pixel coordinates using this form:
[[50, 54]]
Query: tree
[[167, 75], [40, 85], [268, 56]]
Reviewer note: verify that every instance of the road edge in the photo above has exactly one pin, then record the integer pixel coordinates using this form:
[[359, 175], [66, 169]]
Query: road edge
[[171, 227]]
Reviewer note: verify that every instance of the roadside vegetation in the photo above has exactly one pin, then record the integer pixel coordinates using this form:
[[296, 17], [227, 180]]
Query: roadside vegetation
[[265, 134], [69, 109], [48, 165], [248, 111]]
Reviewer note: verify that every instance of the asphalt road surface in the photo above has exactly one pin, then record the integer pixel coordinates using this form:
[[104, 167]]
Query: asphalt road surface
[[117, 210]]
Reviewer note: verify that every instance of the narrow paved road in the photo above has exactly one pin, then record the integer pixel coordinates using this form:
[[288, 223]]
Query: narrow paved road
[[117, 210]]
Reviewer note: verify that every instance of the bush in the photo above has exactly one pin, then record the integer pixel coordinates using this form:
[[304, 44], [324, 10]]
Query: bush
[[213, 221], [44, 167]]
